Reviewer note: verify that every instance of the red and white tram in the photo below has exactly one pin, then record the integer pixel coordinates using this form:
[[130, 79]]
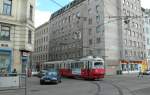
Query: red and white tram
[[87, 68]]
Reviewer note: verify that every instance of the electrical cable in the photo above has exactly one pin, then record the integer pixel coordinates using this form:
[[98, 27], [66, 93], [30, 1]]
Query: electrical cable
[[56, 3]]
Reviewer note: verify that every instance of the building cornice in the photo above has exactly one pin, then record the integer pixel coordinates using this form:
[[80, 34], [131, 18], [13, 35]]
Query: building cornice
[[66, 8], [44, 24]]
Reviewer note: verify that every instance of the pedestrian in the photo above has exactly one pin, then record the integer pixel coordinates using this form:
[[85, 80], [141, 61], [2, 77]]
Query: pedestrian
[[14, 73], [140, 73], [4, 73]]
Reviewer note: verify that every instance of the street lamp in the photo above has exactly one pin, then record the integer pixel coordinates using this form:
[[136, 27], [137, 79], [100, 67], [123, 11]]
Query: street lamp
[[104, 57]]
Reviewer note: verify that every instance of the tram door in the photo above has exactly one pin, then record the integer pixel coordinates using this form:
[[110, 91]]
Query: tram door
[[87, 68]]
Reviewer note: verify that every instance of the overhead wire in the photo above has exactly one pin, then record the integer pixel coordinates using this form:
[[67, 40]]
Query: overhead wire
[[117, 18], [54, 1]]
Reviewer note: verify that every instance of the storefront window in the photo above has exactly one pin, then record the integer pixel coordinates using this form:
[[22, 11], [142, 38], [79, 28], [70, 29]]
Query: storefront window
[[136, 67], [123, 66], [132, 67], [4, 60]]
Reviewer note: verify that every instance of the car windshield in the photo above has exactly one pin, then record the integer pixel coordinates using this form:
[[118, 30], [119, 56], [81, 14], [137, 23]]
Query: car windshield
[[51, 73]]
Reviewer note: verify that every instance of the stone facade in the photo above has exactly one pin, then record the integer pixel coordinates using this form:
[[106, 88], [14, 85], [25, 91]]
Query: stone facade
[[16, 33], [146, 14], [98, 28], [40, 54]]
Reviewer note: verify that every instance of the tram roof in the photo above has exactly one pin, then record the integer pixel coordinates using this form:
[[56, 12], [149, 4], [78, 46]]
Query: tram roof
[[92, 58], [53, 62]]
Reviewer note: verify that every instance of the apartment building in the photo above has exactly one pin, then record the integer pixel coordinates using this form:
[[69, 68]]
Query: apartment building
[[40, 54], [146, 22], [99, 28], [132, 37], [16, 33]]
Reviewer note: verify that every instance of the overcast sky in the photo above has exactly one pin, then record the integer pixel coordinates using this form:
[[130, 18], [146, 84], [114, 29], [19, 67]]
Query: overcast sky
[[44, 8]]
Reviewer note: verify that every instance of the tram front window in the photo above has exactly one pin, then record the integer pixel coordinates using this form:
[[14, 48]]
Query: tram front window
[[98, 64]]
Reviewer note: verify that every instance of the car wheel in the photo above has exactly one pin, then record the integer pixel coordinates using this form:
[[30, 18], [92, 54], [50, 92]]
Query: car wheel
[[60, 81], [57, 82], [41, 82]]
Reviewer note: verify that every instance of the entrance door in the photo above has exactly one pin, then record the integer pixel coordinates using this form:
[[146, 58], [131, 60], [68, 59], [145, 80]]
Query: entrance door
[[24, 64]]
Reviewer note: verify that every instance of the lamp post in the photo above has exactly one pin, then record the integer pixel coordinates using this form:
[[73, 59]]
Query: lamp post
[[104, 57]]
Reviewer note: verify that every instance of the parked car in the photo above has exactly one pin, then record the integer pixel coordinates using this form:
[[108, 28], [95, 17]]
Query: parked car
[[146, 72], [35, 73], [51, 76], [41, 73]]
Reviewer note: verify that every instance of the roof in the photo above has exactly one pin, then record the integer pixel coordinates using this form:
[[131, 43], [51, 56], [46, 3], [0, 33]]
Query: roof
[[65, 8]]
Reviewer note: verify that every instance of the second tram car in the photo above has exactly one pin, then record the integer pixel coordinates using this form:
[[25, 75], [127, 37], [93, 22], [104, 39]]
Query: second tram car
[[87, 68]]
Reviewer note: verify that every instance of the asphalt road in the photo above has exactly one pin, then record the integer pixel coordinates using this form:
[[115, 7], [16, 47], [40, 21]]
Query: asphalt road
[[111, 85]]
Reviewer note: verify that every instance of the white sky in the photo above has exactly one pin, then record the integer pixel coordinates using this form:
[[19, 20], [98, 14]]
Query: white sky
[[43, 16], [145, 3]]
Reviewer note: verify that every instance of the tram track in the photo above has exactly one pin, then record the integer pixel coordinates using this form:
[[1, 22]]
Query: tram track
[[98, 87], [119, 88]]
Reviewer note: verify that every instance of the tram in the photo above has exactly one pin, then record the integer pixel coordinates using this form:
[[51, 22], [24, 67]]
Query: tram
[[87, 68]]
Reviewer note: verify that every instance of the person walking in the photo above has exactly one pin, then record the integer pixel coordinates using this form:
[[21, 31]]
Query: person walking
[[14, 73], [140, 73]]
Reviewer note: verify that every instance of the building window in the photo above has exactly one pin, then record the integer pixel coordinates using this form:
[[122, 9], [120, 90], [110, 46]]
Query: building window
[[98, 29], [90, 42], [78, 14], [5, 33], [90, 21], [97, 19], [148, 41], [7, 7], [123, 1], [89, 11], [31, 12], [29, 36], [97, 8], [98, 40], [149, 52], [125, 42], [90, 31]]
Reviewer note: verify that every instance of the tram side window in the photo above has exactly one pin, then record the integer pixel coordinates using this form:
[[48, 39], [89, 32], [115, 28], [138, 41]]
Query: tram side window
[[72, 65], [52, 65], [59, 65], [45, 67], [68, 66], [88, 65], [82, 65], [64, 65], [76, 65]]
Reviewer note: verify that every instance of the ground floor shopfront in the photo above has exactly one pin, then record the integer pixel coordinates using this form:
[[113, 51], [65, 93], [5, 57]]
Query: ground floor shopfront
[[6, 61], [133, 66], [13, 59]]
